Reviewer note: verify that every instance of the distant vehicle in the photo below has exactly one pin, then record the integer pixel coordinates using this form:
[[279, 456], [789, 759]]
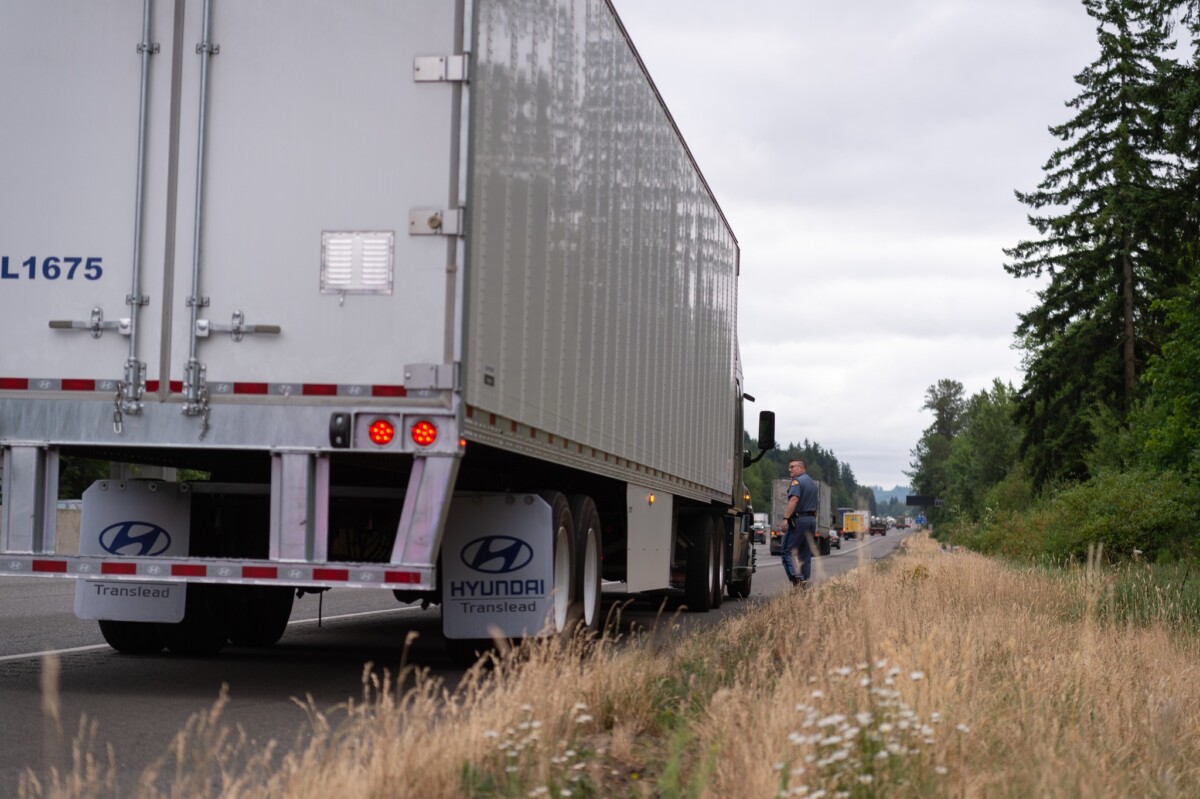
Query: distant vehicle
[[776, 541], [855, 524], [760, 527], [879, 526]]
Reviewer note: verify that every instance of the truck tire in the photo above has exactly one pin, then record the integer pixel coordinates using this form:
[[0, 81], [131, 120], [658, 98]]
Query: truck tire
[[131, 637], [588, 567], [718, 544], [823, 545], [256, 615], [565, 615], [698, 573], [202, 631], [740, 588]]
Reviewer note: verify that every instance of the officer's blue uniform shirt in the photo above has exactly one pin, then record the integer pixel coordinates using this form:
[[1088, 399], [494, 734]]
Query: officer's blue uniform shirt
[[804, 488]]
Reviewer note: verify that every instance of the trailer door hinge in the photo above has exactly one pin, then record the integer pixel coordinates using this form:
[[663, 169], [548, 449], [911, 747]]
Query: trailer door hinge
[[440, 68], [434, 221]]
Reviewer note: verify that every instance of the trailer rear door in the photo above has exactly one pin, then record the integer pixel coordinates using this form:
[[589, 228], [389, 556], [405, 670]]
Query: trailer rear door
[[286, 148]]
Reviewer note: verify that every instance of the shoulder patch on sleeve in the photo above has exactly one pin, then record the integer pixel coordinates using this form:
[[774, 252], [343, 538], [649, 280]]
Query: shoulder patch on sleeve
[[795, 482]]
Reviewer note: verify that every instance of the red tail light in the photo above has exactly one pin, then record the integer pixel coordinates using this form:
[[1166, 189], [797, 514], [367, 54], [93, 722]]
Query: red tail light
[[423, 433], [382, 432]]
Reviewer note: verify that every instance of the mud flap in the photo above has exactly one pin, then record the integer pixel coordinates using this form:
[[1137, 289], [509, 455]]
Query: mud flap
[[137, 519], [497, 571]]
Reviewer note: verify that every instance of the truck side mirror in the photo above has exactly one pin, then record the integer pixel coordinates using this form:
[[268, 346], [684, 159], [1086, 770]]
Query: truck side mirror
[[766, 430]]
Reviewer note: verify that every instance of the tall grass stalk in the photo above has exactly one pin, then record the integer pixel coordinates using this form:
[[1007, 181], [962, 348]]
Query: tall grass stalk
[[931, 674]]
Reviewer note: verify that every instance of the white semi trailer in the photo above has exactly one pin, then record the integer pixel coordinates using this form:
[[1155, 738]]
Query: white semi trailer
[[433, 294]]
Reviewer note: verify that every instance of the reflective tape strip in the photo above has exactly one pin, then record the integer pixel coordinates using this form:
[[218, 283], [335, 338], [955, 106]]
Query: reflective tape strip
[[359, 575], [406, 578], [118, 568], [215, 388], [189, 570]]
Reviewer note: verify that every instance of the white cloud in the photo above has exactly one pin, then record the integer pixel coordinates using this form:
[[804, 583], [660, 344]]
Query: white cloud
[[866, 154]]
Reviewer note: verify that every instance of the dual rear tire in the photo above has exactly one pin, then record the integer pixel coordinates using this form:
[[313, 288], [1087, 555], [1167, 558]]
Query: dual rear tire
[[245, 615], [705, 564]]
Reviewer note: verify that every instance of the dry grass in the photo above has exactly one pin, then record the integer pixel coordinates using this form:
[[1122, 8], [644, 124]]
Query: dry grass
[[933, 674]]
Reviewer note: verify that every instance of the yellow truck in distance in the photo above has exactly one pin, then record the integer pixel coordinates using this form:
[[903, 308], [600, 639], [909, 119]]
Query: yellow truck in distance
[[855, 523]]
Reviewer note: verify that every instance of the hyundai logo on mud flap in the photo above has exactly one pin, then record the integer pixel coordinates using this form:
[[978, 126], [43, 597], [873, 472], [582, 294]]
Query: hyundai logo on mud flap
[[497, 554], [139, 539]]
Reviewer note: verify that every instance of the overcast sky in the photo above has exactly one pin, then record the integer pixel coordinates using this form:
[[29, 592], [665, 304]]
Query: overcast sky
[[866, 153]]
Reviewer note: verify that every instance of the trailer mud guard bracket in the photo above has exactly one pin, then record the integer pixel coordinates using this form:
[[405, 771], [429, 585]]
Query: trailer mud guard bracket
[[425, 505], [29, 519], [299, 506]]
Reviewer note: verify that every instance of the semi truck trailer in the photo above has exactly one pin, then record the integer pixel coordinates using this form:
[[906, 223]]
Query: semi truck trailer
[[429, 298]]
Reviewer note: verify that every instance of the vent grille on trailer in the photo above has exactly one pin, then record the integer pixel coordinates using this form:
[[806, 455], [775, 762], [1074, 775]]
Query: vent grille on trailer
[[357, 261]]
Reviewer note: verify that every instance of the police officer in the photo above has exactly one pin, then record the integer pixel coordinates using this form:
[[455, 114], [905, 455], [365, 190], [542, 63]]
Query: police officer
[[801, 521]]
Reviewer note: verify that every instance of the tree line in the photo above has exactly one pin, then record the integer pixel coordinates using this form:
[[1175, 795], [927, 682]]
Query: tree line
[[1110, 399]]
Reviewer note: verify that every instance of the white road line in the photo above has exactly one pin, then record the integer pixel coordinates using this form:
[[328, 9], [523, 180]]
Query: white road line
[[53, 652], [31, 655], [354, 615]]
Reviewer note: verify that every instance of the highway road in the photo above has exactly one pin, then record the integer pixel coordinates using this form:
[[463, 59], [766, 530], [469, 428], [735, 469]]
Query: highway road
[[140, 702]]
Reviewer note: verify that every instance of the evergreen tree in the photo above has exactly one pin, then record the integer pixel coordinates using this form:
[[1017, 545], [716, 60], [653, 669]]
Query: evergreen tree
[[1099, 211], [985, 451], [929, 475]]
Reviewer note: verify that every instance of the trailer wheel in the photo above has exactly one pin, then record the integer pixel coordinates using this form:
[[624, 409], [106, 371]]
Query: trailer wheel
[[698, 575], [256, 615], [202, 631], [131, 637], [588, 549], [718, 572], [565, 610]]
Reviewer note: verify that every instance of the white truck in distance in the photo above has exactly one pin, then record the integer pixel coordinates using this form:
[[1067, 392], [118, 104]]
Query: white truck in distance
[[433, 293]]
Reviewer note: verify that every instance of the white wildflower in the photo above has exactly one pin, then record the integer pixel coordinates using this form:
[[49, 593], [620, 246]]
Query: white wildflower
[[866, 779], [844, 671], [864, 682], [917, 675], [818, 694], [584, 719], [935, 717], [491, 734], [941, 769], [863, 717], [963, 728]]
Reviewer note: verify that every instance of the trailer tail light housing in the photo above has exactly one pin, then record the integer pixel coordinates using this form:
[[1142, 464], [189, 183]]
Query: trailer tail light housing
[[381, 432], [423, 433]]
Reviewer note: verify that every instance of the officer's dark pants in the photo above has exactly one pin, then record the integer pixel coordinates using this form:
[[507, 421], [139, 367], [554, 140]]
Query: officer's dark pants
[[797, 548]]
